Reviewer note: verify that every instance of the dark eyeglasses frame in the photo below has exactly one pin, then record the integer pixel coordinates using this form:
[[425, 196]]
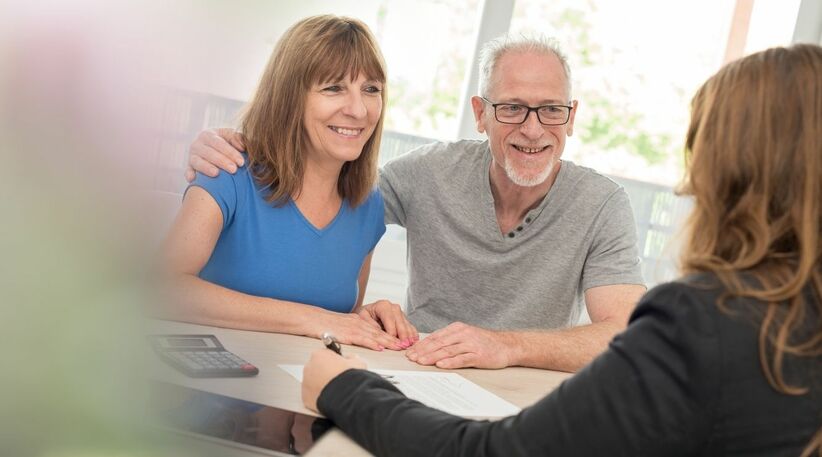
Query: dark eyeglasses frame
[[535, 109]]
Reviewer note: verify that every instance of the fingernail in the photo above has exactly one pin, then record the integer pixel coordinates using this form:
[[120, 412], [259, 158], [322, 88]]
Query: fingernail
[[411, 356], [232, 169], [380, 348]]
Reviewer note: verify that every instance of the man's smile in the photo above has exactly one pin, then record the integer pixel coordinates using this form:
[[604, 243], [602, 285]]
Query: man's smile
[[530, 150]]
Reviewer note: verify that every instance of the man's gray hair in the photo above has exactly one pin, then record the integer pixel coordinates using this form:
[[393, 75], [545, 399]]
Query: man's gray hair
[[496, 48]]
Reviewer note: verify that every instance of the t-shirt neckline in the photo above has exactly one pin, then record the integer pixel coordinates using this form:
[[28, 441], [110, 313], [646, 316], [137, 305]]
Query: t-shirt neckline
[[488, 204], [312, 227]]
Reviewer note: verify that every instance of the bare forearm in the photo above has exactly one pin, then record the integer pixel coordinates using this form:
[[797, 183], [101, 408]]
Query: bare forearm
[[563, 350], [195, 300]]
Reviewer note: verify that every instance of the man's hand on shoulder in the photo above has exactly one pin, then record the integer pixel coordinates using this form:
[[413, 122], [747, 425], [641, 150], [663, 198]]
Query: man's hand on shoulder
[[461, 345], [213, 149]]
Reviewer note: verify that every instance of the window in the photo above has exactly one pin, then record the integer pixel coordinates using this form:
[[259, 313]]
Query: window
[[636, 64], [427, 46]]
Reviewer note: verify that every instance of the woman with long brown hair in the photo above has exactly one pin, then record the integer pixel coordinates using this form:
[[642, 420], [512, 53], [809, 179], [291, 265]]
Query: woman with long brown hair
[[284, 244], [725, 361]]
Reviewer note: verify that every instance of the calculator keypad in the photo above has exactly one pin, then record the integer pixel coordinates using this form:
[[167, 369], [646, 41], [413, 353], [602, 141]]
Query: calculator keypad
[[212, 363]]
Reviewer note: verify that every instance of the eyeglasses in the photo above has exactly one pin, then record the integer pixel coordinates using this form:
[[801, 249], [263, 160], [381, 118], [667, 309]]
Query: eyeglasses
[[512, 113]]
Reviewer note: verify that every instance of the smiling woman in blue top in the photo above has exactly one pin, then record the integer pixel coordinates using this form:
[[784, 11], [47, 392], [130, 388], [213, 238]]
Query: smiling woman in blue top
[[284, 245]]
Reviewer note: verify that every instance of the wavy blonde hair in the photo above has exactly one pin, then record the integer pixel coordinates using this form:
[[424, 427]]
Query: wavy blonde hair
[[754, 153], [314, 50]]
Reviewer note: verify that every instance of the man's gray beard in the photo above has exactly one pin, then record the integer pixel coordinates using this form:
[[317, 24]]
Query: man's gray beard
[[522, 181]]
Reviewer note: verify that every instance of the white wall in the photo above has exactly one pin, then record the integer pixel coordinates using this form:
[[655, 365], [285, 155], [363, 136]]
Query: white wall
[[221, 47], [809, 22]]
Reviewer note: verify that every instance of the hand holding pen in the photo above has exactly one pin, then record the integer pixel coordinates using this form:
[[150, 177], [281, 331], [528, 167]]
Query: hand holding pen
[[322, 367], [331, 343]]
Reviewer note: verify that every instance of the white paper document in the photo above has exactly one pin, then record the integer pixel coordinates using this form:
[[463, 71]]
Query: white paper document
[[448, 392]]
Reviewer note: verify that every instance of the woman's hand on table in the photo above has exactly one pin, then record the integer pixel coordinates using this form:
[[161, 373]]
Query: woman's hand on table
[[350, 328], [388, 316]]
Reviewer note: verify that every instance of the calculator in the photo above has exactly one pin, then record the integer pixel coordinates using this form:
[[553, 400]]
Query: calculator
[[200, 356]]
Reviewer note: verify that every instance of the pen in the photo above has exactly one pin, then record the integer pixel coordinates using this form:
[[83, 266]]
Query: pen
[[331, 343]]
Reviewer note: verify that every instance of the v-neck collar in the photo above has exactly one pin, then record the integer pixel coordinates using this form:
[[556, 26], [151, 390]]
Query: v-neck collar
[[312, 227]]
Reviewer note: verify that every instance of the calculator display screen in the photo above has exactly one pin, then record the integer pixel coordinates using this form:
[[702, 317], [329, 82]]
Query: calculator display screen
[[187, 342], [181, 342]]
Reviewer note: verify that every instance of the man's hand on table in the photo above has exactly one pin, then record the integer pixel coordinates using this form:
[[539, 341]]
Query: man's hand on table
[[461, 345]]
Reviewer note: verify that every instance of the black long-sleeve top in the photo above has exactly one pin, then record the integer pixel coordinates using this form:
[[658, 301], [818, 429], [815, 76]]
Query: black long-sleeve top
[[683, 379]]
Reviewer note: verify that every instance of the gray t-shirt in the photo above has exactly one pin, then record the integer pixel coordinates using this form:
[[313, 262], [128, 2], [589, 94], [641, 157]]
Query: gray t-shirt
[[461, 268]]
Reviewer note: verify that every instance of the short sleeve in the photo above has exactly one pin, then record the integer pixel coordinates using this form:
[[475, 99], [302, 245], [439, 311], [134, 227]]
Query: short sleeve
[[391, 187], [613, 257], [223, 189], [376, 216], [407, 179], [400, 181]]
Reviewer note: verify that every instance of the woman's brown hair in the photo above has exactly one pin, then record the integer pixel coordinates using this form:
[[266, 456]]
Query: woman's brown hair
[[315, 50], [754, 153]]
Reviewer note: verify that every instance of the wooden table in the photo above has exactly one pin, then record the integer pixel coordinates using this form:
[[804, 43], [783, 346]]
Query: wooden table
[[275, 387]]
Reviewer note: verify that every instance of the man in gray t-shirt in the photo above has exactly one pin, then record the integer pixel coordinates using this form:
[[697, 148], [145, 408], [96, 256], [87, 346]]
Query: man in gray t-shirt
[[506, 241], [580, 236]]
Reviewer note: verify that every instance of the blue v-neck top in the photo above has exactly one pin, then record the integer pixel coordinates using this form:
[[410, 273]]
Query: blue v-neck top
[[275, 252]]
